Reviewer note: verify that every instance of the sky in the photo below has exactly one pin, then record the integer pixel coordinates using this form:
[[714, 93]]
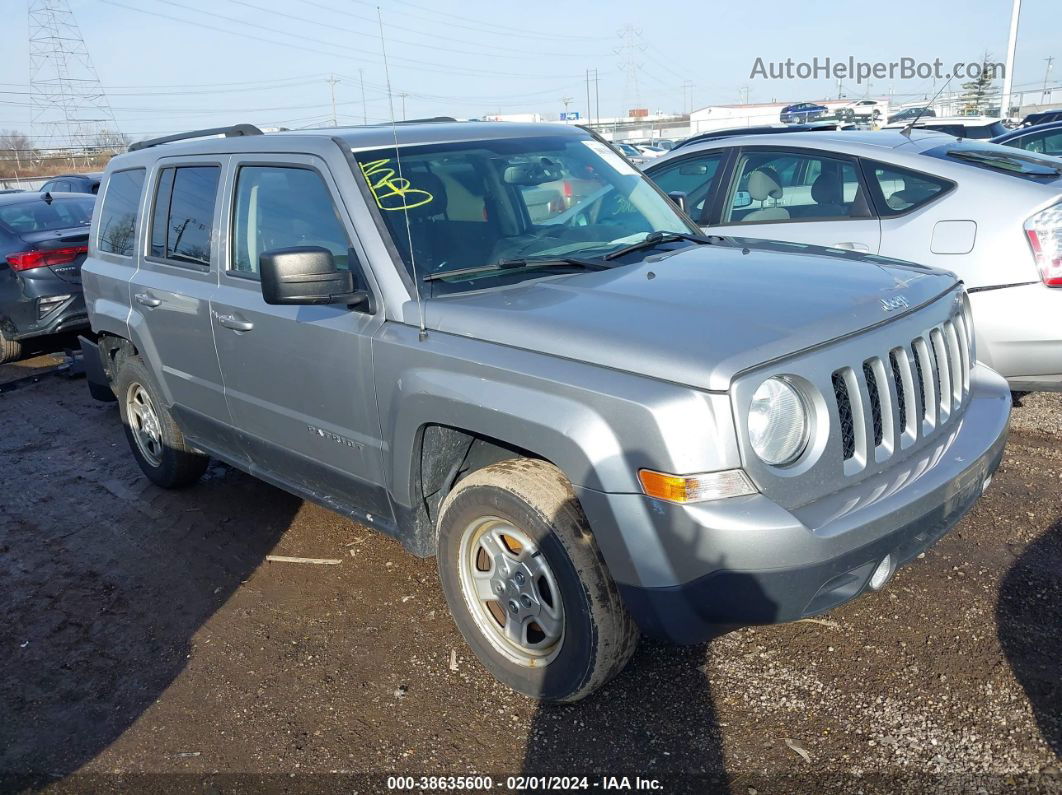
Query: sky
[[171, 65]]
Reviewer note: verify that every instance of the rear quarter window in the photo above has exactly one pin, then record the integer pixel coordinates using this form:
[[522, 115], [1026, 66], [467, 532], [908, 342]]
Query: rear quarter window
[[120, 212], [901, 190]]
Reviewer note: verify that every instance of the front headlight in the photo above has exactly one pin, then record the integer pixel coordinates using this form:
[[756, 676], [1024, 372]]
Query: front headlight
[[778, 422]]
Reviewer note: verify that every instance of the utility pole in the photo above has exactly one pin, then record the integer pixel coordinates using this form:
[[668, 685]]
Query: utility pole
[[687, 86], [566, 101], [597, 97], [588, 96], [403, 95], [364, 109], [1047, 75], [840, 88], [332, 86], [1012, 44]]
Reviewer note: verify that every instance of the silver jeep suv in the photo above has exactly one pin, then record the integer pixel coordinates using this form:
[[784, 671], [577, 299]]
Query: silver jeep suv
[[502, 345]]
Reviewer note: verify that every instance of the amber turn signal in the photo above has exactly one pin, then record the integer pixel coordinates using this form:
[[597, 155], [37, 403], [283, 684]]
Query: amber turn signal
[[696, 488]]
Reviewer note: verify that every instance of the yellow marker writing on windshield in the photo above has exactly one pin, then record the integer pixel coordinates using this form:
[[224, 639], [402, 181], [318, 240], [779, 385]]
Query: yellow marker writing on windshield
[[391, 191]]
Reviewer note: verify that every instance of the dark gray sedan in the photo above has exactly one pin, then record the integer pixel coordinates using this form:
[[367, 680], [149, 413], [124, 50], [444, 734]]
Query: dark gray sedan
[[43, 241]]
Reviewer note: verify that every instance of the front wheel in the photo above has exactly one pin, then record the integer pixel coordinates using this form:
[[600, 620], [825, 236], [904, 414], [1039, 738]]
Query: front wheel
[[157, 443], [526, 583]]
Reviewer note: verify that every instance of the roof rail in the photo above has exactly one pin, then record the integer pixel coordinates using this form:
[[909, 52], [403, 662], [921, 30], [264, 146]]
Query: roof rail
[[428, 120], [229, 132]]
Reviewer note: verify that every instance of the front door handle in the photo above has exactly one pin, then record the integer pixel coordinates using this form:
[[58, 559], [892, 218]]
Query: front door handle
[[851, 246], [148, 300], [234, 323]]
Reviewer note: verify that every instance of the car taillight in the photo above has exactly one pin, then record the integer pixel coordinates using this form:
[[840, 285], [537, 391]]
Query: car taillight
[[567, 192], [27, 260], [1044, 231]]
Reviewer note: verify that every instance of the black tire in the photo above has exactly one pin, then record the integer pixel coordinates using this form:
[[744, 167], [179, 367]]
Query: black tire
[[176, 465], [10, 350], [598, 636]]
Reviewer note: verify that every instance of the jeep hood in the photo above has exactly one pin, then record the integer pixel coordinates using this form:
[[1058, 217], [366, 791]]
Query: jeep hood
[[697, 316]]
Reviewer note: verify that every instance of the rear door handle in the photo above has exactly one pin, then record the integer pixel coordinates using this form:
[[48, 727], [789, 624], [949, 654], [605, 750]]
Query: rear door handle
[[148, 300], [234, 323], [861, 247]]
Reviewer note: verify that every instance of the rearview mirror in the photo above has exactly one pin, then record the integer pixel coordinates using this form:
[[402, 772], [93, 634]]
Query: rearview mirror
[[679, 197], [528, 174], [693, 169], [742, 198], [306, 275]]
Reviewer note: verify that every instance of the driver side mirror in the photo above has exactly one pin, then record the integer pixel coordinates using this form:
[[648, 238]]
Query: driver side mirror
[[306, 275], [742, 198]]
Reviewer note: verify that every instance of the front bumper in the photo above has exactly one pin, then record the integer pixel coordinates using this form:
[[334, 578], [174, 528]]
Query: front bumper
[[685, 570]]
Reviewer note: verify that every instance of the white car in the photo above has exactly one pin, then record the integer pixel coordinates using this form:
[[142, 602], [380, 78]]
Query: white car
[[632, 153], [991, 214], [865, 110], [650, 151]]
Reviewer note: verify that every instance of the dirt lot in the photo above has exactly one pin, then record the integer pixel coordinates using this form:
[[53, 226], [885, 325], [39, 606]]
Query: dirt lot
[[144, 633]]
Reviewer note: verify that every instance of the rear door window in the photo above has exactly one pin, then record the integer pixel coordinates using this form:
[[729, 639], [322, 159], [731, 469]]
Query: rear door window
[[120, 212], [183, 218], [794, 186], [1048, 142]]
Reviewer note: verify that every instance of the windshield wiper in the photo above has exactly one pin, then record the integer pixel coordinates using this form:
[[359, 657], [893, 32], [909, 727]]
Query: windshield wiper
[[654, 239], [523, 262]]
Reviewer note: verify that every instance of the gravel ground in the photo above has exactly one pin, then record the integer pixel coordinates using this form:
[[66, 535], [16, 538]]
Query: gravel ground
[[145, 635]]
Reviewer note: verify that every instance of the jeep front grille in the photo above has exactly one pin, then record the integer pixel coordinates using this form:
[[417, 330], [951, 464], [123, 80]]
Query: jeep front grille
[[908, 393], [844, 414]]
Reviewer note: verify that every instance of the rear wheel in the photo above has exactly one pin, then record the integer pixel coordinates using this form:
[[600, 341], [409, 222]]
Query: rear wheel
[[10, 349], [527, 585], [157, 443]]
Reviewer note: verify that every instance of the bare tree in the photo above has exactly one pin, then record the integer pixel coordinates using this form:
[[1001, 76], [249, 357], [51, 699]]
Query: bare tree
[[16, 152], [111, 141]]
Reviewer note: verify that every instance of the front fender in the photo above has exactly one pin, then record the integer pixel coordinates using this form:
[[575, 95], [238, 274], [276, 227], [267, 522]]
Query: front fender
[[598, 425], [573, 436]]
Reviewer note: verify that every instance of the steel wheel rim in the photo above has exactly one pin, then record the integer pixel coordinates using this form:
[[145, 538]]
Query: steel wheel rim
[[144, 423], [511, 592]]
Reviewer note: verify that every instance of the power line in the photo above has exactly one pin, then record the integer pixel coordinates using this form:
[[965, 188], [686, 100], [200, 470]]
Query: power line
[[479, 25], [345, 49]]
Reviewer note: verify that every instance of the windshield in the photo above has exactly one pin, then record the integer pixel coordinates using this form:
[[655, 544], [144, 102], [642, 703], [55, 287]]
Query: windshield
[[1002, 159], [476, 204]]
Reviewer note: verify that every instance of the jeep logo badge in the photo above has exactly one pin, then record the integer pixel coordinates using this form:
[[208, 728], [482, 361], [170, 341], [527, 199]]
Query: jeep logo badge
[[899, 302]]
